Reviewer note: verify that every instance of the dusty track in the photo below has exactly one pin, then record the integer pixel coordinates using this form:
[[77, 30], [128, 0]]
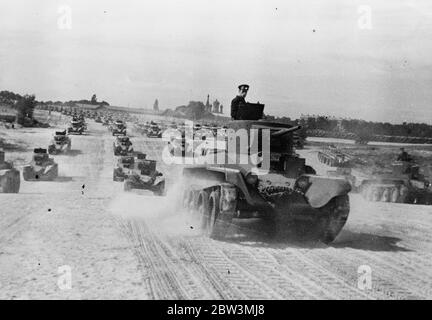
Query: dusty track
[[139, 246]]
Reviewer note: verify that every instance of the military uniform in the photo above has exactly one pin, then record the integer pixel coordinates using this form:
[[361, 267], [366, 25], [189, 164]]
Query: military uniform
[[404, 156], [238, 101], [235, 104]]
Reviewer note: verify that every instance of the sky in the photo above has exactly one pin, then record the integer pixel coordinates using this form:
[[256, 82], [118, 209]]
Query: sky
[[359, 59]]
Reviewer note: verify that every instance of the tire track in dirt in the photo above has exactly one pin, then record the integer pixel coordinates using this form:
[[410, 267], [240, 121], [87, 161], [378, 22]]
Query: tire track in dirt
[[161, 266], [291, 261]]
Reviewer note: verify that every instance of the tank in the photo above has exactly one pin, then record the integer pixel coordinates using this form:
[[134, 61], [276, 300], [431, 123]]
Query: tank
[[144, 176], [41, 167], [9, 176], [76, 126], [125, 165], [287, 195], [60, 143], [122, 146], [118, 128], [403, 184], [154, 130], [334, 157]]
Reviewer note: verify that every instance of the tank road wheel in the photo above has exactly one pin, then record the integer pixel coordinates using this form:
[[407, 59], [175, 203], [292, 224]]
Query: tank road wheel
[[386, 194], [203, 210], [335, 214], [216, 226], [394, 195], [403, 194]]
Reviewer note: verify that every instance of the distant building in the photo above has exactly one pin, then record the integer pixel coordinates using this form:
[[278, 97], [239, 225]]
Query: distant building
[[207, 105], [216, 105]]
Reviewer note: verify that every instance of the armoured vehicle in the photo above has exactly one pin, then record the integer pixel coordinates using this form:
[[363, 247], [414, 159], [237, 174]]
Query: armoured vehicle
[[41, 167], [125, 165], [154, 131], [76, 126], [9, 176], [60, 143], [119, 128], [403, 184], [144, 176], [142, 128], [106, 121], [98, 119], [286, 194], [334, 157], [122, 146]]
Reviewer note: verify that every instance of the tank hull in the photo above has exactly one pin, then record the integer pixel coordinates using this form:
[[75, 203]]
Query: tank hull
[[59, 149], [313, 215], [157, 186], [40, 173]]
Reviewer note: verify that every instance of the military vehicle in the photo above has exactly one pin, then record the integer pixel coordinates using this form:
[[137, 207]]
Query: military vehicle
[[106, 121], [118, 128], [154, 131], [60, 143], [142, 128], [98, 119], [41, 168], [288, 196], [144, 176], [122, 146], [125, 165], [9, 176], [76, 126], [403, 184], [334, 157]]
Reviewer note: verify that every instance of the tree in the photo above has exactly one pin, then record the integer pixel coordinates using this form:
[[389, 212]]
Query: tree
[[93, 99], [25, 107], [156, 105]]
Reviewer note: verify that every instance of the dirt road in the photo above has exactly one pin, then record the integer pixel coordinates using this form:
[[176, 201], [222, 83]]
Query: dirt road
[[139, 246]]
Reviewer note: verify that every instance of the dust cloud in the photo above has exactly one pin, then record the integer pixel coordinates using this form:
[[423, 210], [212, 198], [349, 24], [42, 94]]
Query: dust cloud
[[162, 213]]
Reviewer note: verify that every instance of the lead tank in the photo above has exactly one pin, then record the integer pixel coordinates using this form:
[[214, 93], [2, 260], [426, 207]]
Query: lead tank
[[288, 197]]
